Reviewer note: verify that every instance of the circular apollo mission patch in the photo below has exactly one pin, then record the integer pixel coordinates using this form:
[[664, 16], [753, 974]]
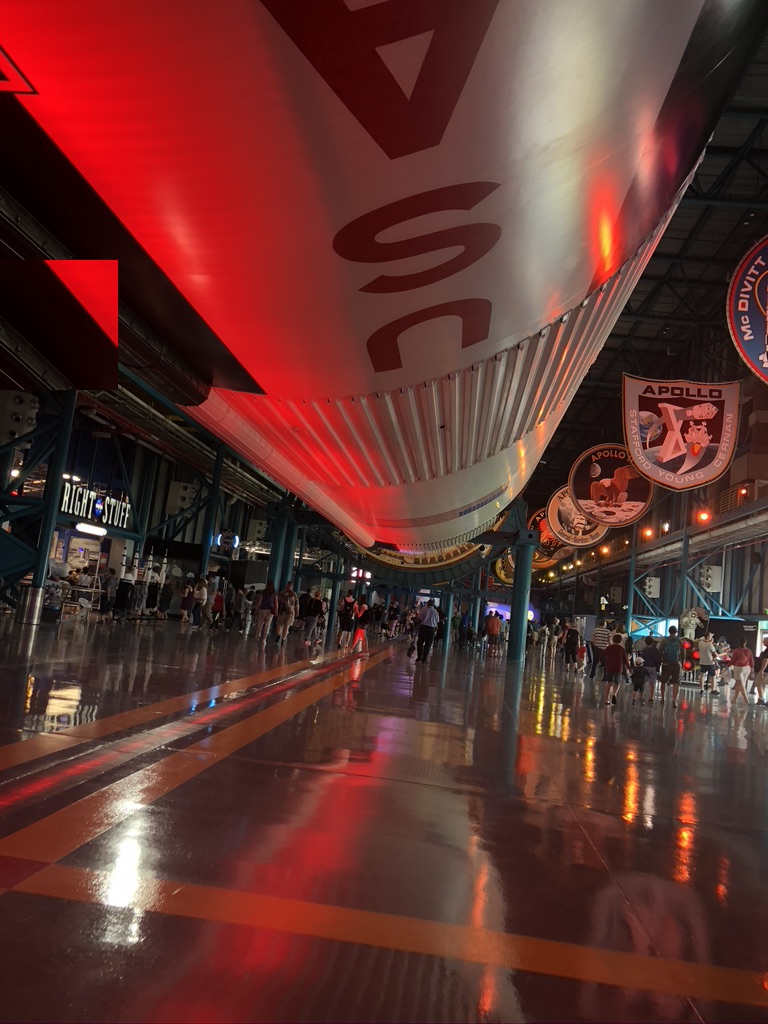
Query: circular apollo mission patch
[[569, 524], [607, 488]]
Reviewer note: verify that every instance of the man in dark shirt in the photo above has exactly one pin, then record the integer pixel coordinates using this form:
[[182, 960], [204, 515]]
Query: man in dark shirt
[[671, 664], [615, 667], [651, 656]]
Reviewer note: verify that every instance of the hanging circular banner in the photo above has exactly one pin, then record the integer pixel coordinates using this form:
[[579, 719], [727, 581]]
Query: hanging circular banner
[[570, 525], [746, 309], [607, 488], [504, 568], [549, 550]]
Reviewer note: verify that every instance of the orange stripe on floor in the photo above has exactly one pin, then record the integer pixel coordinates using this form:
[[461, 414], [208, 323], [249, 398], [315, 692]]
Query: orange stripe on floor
[[59, 834], [78, 735], [411, 935]]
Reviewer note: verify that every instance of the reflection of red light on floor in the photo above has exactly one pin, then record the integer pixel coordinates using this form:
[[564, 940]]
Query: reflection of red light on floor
[[487, 1002]]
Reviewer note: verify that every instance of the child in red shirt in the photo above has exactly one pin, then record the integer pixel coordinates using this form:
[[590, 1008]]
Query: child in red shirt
[[216, 609]]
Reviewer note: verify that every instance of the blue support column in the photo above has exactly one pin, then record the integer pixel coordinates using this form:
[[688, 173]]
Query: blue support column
[[599, 590], [279, 530], [631, 585], [211, 508], [289, 550], [448, 609], [147, 495], [330, 619], [513, 681], [683, 590], [302, 548], [476, 601], [30, 606]]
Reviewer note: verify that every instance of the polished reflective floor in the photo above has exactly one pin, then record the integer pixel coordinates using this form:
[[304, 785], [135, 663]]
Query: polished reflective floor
[[198, 828]]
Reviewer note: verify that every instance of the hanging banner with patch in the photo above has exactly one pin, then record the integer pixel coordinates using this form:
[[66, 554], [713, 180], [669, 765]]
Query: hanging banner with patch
[[570, 525], [504, 568], [747, 309], [680, 434], [607, 487], [550, 550]]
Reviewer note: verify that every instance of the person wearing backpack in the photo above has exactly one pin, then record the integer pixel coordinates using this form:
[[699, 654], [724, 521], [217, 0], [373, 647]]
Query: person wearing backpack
[[313, 613], [671, 664], [346, 620]]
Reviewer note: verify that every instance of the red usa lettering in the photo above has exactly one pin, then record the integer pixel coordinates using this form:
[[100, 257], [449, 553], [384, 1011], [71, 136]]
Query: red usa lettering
[[341, 45]]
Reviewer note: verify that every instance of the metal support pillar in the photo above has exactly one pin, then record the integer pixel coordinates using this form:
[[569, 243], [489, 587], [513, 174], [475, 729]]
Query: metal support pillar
[[631, 586], [279, 529], [149, 474], [447, 628], [476, 601], [683, 590], [518, 609], [31, 603], [599, 591], [6, 465], [513, 681], [302, 549], [289, 550], [330, 618], [211, 508]]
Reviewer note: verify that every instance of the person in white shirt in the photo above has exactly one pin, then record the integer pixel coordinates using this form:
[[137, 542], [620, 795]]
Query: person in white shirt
[[200, 595], [428, 620], [707, 665]]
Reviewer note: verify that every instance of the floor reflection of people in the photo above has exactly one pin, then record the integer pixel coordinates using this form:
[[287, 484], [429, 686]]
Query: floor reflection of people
[[650, 916], [40, 695], [420, 698]]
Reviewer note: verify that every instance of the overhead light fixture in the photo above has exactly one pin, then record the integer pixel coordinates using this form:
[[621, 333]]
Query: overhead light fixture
[[14, 473], [95, 531]]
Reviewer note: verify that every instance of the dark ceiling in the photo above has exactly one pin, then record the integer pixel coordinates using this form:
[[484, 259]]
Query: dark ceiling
[[674, 326]]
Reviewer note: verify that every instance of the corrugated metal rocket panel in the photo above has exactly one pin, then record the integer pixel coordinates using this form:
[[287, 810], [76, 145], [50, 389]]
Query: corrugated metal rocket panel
[[475, 433]]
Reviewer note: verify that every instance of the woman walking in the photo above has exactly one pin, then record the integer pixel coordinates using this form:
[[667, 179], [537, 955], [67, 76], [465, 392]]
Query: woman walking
[[742, 663], [267, 611], [199, 598], [571, 644]]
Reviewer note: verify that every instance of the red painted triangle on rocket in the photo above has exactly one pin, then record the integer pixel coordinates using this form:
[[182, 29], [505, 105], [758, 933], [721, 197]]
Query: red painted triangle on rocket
[[404, 59], [11, 79]]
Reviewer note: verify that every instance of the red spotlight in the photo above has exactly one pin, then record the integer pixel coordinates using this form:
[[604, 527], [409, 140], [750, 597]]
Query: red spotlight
[[647, 532], [703, 516], [687, 665], [687, 645], [695, 655]]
